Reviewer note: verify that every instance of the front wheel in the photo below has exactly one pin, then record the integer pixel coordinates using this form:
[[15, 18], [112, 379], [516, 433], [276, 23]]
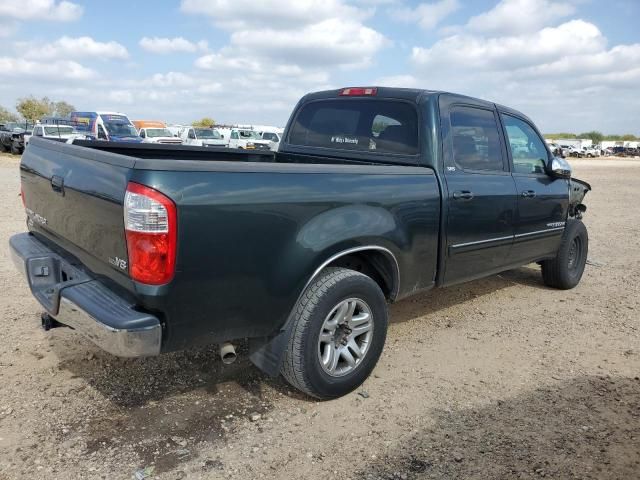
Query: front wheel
[[338, 334], [566, 269]]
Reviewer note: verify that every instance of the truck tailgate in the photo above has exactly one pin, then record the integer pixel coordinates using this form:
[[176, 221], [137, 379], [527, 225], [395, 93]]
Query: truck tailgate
[[76, 203]]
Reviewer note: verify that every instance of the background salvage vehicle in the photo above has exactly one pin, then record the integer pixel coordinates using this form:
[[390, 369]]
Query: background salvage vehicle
[[12, 136], [375, 194]]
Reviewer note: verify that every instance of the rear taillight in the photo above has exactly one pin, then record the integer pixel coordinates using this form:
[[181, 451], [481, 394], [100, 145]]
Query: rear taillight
[[150, 226], [358, 91]]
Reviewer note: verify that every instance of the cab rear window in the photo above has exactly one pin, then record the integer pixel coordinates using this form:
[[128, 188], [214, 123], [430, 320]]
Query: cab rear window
[[374, 126]]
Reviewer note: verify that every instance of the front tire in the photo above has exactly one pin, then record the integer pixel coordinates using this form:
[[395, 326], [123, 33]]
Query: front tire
[[338, 334], [566, 269]]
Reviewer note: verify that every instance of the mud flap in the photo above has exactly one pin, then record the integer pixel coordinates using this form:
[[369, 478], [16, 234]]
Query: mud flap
[[266, 352]]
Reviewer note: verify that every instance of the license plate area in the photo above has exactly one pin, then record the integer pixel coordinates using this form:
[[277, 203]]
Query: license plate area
[[47, 277]]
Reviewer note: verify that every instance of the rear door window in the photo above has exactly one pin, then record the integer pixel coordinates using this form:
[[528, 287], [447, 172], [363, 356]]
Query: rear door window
[[476, 142], [373, 126]]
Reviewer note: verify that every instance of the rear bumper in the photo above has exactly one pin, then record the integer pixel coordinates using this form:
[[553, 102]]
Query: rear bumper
[[75, 299]]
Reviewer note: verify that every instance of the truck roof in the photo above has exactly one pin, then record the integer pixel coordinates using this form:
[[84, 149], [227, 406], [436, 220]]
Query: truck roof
[[410, 94]]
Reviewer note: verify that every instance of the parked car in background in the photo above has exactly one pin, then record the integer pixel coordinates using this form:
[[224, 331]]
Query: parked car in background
[[63, 133], [107, 126], [203, 137], [12, 136], [555, 149], [152, 131], [297, 250], [273, 136], [247, 139], [566, 150], [590, 152]]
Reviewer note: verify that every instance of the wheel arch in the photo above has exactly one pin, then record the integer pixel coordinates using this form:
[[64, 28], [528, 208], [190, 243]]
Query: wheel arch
[[377, 261]]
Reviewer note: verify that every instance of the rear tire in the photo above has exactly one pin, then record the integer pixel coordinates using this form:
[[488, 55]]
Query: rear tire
[[14, 149], [338, 334], [566, 269]]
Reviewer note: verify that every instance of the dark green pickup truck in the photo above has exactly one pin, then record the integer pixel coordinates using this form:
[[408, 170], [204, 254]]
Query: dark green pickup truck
[[376, 194]]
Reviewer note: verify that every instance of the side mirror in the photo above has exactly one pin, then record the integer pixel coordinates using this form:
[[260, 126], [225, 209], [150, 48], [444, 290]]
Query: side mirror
[[221, 136], [558, 167]]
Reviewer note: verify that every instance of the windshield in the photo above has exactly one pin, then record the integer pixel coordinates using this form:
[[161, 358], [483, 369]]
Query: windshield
[[158, 132], [208, 133], [15, 126], [249, 135], [59, 130], [120, 129]]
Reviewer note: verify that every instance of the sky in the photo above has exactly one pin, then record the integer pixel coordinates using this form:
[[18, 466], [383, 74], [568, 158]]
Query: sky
[[571, 65]]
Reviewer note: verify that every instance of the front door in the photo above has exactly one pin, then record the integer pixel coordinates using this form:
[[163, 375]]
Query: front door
[[481, 193], [543, 201]]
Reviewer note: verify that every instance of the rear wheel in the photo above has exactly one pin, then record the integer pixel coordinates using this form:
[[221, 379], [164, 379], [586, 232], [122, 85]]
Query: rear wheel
[[338, 334], [566, 269]]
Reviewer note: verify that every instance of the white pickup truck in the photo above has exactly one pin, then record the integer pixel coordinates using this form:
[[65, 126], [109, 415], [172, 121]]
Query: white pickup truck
[[62, 133], [158, 135], [202, 137], [248, 140]]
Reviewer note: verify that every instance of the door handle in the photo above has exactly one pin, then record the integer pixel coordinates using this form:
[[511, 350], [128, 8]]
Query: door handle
[[463, 195], [57, 184], [528, 194]]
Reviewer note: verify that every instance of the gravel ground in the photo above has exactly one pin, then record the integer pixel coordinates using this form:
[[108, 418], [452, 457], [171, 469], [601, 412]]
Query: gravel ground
[[498, 378]]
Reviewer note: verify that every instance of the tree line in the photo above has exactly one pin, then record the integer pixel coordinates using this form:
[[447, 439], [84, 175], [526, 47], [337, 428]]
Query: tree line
[[595, 136], [31, 109]]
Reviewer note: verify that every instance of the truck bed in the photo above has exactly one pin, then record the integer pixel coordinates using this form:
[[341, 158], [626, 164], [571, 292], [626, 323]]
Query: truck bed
[[246, 225]]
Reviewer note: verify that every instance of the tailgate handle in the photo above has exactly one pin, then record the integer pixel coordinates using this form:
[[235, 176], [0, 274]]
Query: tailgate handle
[[57, 184]]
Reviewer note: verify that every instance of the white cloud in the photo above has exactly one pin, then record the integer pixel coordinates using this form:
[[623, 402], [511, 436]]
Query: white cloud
[[332, 42], [427, 15], [68, 47], [243, 14], [125, 97], [18, 67], [171, 79], [171, 45], [51, 10], [576, 37], [520, 16], [8, 28], [564, 76]]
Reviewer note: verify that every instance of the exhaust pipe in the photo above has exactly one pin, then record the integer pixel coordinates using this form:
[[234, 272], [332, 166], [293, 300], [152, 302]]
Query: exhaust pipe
[[227, 353]]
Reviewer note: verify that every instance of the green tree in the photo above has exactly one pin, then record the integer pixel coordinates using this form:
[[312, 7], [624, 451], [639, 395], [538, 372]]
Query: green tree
[[560, 136], [33, 109], [595, 136], [7, 116], [63, 109], [628, 137], [204, 122]]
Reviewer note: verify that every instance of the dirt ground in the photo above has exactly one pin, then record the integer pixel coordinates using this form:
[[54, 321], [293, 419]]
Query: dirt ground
[[499, 378]]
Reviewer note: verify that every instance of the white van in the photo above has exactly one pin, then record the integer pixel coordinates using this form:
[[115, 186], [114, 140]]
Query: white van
[[109, 126]]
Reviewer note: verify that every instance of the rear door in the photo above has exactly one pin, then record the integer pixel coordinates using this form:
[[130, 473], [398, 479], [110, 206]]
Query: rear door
[[481, 192], [543, 201]]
